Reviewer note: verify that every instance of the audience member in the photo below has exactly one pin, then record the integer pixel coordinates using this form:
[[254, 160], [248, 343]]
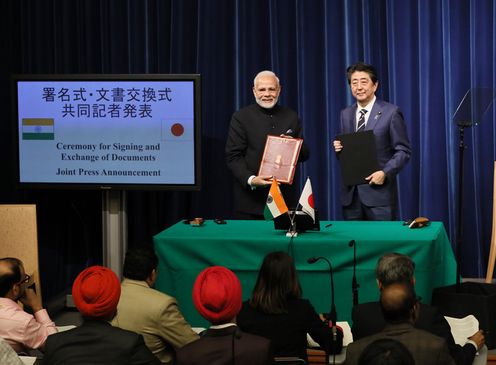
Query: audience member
[[20, 329], [7, 354], [217, 297], [149, 312], [96, 292], [277, 311], [399, 307], [386, 352], [367, 317]]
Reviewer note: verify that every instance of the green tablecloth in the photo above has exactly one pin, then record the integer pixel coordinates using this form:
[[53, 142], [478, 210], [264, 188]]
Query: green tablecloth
[[184, 251]]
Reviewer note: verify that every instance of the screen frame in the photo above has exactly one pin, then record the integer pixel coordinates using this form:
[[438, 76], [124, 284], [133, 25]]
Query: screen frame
[[196, 78]]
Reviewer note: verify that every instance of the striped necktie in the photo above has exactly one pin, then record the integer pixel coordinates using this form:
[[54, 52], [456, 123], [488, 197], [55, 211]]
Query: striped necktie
[[361, 120]]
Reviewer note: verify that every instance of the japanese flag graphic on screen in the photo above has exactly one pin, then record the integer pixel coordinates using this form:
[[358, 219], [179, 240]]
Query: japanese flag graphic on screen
[[177, 129], [306, 200]]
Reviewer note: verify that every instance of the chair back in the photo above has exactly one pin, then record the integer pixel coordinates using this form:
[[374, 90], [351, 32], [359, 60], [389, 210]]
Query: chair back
[[7, 354]]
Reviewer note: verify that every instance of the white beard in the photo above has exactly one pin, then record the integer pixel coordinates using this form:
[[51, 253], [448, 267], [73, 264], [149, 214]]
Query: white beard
[[267, 105]]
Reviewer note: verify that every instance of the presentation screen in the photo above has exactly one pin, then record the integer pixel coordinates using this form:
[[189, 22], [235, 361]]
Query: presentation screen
[[108, 131]]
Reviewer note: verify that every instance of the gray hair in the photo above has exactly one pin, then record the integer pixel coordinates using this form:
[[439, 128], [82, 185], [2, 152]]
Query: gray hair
[[265, 73], [394, 268]]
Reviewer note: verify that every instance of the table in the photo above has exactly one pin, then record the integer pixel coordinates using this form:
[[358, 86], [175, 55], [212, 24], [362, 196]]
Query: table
[[184, 251]]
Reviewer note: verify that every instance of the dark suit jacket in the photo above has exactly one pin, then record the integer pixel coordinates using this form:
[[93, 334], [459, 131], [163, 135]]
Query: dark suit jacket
[[244, 149], [368, 319], [218, 346], [426, 348], [393, 151], [287, 332], [97, 342]]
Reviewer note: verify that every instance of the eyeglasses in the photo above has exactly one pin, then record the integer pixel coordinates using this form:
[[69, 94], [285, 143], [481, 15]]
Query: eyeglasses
[[25, 280]]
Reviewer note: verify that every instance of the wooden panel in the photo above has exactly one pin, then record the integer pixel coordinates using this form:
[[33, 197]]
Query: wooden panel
[[316, 357], [491, 359], [19, 237], [492, 251]]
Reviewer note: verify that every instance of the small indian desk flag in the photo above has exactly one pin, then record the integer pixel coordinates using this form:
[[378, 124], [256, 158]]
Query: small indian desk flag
[[275, 202], [306, 199], [38, 129]]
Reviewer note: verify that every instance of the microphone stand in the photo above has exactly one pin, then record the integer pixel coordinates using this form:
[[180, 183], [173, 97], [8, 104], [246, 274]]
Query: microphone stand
[[459, 215], [354, 283], [337, 340]]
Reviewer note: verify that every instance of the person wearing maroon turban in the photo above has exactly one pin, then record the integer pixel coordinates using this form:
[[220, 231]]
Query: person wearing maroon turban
[[96, 292], [217, 296]]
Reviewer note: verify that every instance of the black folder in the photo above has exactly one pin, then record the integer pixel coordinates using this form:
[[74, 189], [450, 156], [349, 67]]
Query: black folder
[[358, 158]]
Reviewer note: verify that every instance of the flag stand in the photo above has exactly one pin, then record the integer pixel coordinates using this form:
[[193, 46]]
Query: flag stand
[[292, 227]]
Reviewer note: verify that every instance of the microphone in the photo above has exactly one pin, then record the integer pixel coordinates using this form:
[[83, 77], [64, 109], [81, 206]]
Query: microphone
[[337, 334], [313, 260], [354, 284]]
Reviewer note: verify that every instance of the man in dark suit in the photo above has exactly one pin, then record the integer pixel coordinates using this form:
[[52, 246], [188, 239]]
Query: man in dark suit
[[399, 305], [96, 292], [217, 296], [368, 319], [375, 199], [245, 144]]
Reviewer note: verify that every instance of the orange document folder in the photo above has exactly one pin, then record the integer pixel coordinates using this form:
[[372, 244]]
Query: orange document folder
[[280, 157]]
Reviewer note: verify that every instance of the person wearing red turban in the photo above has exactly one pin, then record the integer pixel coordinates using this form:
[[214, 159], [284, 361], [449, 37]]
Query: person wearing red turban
[[217, 296], [96, 292]]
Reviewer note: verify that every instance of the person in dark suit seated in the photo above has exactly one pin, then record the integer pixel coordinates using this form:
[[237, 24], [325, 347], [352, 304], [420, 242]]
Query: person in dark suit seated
[[386, 352], [368, 319], [399, 306], [217, 297], [277, 311], [96, 292]]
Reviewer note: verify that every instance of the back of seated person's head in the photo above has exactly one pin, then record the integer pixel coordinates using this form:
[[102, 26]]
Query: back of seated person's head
[[10, 274], [96, 292], [139, 263], [217, 295], [386, 352], [398, 303], [277, 282], [394, 268]]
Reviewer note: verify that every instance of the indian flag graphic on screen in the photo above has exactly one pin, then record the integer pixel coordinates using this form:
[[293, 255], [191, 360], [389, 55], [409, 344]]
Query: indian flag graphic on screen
[[38, 129]]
